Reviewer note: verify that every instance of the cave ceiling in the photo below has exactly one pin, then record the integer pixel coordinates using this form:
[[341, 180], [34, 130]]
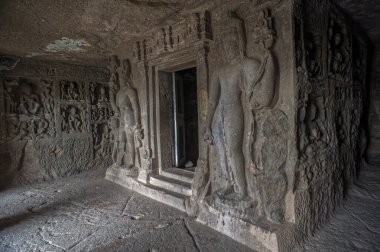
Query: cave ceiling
[[88, 31]]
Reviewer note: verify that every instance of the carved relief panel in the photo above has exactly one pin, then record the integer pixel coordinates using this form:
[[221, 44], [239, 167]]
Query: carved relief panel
[[28, 108], [74, 119], [101, 113], [243, 125], [329, 106], [72, 91]]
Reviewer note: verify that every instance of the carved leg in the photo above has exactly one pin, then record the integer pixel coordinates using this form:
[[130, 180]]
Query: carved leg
[[233, 135], [121, 148], [220, 149], [130, 150], [114, 151]]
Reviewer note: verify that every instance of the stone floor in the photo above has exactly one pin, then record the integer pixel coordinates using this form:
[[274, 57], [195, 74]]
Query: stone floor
[[88, 213]]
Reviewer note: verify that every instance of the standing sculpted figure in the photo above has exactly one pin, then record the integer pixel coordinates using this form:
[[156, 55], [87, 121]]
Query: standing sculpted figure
[[236, 90], [127, 108]]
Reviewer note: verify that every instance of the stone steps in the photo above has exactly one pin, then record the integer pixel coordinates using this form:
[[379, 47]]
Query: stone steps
[[160, 194], [171, 184], [178, 174]]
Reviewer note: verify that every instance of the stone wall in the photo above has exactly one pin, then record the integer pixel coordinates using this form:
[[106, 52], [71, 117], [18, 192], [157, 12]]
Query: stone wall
[[331, 63], [54, 121], [373, 147], [281, 93]]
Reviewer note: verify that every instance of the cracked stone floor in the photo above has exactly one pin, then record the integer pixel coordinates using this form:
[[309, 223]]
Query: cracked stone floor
[[87, 213]]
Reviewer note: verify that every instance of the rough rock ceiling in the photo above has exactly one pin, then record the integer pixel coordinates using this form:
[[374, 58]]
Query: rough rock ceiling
[[84, 30], [366, 13], [87, 31]]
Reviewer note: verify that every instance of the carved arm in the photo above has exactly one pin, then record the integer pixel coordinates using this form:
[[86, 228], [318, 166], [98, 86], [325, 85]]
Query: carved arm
[[264, 85], [212, 104]]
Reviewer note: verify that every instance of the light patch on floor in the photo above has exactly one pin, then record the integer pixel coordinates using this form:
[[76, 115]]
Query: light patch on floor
[[67, 45]]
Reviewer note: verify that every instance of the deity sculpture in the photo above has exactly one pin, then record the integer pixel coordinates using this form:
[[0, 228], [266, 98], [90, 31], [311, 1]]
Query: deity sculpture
[[102, 94], [47, 98], [338, 50], [126, 107], [72, 92], [74, 120], [238, 88], [101, 148], [29, 102]]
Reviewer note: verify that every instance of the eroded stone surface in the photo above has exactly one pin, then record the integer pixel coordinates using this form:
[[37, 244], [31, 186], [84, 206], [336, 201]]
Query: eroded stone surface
[[282, 92], [54, 121]]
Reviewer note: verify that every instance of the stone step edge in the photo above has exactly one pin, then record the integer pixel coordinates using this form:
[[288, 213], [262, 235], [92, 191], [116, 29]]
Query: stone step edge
[[171, 173], [170, 198], [171, 184]]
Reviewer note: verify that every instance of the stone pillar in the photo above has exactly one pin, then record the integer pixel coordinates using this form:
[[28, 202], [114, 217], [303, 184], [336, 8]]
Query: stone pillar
[[146, 118]]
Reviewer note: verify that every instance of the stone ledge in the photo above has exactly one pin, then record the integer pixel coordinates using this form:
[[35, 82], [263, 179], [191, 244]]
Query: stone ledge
[[253, 236], [120, 177]]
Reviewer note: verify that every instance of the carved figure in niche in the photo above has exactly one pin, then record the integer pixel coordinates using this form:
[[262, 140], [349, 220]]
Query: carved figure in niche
[[313, 54], [10, 101], [63, 90], [102, 94], [101, 149], [12, 124], [339, 56], [74, 121], [72, 92], [237, 88], [92, 92], [29, 102], [128, 109], [47, 97], [314, 133], [83, 116]]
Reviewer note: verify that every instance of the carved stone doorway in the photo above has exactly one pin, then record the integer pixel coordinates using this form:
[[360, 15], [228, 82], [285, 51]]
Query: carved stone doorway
[[178, 138]]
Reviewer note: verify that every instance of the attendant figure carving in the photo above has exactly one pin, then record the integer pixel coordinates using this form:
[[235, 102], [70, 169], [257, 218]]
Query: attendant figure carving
[[128, 110], [47, 98], [72, 92], [74, 120]]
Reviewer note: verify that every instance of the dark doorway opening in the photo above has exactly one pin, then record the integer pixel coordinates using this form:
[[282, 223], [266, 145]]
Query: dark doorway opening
[[185, 128]]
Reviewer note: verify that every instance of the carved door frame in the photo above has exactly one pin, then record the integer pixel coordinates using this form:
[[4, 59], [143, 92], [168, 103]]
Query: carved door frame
[[195, 56]]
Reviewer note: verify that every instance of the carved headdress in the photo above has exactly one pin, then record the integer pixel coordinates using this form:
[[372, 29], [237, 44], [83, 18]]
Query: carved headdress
[[232, 26]]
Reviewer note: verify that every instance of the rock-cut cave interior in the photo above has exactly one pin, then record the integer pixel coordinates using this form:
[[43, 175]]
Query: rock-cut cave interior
[[190, 125]]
